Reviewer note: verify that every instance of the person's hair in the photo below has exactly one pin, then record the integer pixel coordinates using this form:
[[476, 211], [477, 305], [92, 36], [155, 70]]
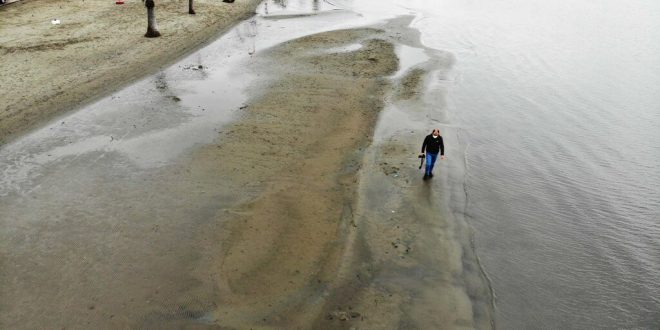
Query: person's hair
[[436, 129]]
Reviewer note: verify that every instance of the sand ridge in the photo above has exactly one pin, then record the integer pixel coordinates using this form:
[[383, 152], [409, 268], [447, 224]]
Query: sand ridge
[[303, 137]]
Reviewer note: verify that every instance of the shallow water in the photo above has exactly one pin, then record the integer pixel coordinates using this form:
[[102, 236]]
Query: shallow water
[[556, 109], [554, 105]]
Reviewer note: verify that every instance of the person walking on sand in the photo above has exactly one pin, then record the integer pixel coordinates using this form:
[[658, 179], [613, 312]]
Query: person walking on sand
[[432, 145]]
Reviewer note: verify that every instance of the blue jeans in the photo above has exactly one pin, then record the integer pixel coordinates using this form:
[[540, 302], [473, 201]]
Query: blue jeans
[[430, 162]]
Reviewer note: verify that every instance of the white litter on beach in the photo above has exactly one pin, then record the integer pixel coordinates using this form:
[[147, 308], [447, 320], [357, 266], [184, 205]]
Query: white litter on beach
[[55, 21]]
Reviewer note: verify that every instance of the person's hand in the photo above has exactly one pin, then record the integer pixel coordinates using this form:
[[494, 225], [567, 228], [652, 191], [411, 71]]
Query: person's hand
[[442, 157]]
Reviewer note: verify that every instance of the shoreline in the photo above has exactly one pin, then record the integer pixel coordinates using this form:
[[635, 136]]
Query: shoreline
[[102, 43], [413, 261]]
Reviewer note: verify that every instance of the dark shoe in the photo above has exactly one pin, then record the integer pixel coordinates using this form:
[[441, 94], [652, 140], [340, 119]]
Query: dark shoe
[[431, 175], [426, 177]]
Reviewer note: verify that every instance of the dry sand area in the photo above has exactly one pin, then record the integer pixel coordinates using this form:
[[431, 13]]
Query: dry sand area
[[99, 46]]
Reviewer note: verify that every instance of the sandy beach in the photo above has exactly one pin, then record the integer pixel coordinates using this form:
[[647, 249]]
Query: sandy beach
[[305, 212], [97, 48]]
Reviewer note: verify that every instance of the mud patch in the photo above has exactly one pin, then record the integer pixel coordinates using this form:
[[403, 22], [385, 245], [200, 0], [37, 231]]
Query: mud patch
[[411, 84]]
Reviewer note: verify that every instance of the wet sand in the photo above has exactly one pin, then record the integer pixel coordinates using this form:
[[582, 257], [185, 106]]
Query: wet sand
[[306, 212], [342, 233], [47, 69]]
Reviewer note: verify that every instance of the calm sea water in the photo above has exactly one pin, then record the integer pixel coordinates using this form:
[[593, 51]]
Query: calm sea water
[[558, 103]]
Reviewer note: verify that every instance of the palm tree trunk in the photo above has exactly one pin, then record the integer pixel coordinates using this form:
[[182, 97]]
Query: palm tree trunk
[[152, 28], [191, 11]]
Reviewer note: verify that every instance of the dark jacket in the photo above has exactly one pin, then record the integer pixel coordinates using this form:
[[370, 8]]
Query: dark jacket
[[433, 145]]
